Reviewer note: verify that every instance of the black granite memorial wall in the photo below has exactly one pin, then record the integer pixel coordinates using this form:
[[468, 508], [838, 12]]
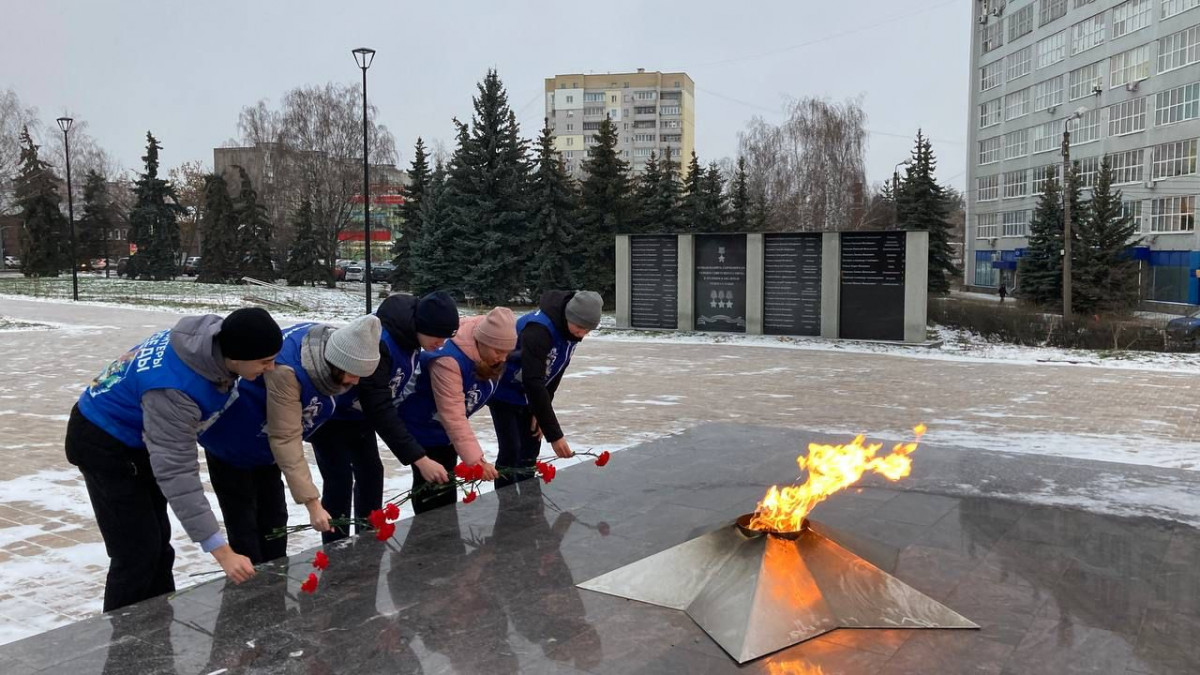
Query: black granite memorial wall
[[872, 286], [654, 281], [792, 284], [720, 287]]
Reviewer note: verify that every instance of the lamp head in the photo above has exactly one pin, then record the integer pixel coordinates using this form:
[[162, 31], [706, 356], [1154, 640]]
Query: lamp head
[[363, 56], [65, 123]]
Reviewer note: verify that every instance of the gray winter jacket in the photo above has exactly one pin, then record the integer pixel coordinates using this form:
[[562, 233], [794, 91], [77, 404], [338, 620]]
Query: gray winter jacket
[[171, 422]]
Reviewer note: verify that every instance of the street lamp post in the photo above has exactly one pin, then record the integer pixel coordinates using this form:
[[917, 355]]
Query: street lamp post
[[363, 56], [65, 123], [896, 188], [1066, 153]]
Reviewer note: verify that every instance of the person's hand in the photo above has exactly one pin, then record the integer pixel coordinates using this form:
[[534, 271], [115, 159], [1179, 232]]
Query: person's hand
[[318, 516], [489, 471], [431, 470], [562, 448], [237, 567], [534, 428]]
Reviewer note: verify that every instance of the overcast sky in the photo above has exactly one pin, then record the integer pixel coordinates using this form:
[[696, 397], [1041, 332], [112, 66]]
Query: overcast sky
[[185, 69]]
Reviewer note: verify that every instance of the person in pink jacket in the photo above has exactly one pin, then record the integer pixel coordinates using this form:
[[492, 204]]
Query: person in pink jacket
[[452, 384]]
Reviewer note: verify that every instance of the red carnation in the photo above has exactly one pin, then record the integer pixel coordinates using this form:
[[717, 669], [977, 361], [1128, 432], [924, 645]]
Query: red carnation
[[321, 561], [548, 473], [391, 511], [377, 519], [310, 584], [463, 471], [603, 458], [385, 531], [477, 472], [470, 497]]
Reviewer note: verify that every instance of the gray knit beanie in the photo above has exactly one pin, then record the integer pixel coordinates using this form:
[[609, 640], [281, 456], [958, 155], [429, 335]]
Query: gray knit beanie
[[355, 347], [583, 309]]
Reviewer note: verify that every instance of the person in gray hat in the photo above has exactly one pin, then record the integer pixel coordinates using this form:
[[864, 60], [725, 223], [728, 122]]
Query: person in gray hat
[[260, 437], [522, 408]]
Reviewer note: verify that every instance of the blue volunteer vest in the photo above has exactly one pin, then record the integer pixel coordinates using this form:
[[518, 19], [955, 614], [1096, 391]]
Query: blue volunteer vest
[[419, 410], [404, 363], [113, 401], [239, 437], [512, 388]]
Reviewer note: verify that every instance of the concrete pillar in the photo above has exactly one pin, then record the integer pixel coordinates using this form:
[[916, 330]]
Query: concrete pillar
[[687, 283], [755, 263], [624, 279], [831, 284], [916, 285]]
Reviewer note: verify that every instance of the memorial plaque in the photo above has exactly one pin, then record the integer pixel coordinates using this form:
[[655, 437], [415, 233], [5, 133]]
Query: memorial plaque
[[792, 284], [654, 281], [721, 282], [872, 289]]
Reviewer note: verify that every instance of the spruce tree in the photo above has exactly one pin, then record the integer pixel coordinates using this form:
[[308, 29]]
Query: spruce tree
[[554, 209], [37, 197], [153, 224], [1040, 269], [645, 193], [669, 198], [488, 183], [98, 217], [254, 231], [922, 205], [695, 216], [435, 266], [220, 248], [410, 217], [1105, 277], [304, 258], [605, 210], [716, 203], [739, 199]]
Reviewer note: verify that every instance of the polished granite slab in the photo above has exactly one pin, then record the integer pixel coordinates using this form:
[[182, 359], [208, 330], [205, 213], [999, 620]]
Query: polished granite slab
[[489, 587]]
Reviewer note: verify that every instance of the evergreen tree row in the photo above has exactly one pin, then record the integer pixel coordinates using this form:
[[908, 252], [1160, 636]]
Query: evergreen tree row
[[237, 234]]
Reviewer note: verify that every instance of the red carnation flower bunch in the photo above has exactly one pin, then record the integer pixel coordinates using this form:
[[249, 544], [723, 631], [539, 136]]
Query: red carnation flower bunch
[[383, 521], [320, 562]]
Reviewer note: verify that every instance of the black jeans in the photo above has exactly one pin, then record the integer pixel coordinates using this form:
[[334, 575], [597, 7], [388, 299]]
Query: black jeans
[[351, 471], [130, 511], [519, 445], [253, 505], [436, 495]]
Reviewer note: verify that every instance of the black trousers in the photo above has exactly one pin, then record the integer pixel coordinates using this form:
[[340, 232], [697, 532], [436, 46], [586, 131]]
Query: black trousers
[[351, 471], [519, 446], [436, 495], [130, 511], [253, 505]]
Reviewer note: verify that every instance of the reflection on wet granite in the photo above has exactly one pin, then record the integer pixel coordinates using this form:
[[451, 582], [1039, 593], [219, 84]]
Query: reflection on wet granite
[[490, 587]]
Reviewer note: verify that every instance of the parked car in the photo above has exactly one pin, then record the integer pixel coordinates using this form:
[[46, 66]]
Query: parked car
[[11, 262], [192, 266], [1184, 331], [382, 272], [354, 272]]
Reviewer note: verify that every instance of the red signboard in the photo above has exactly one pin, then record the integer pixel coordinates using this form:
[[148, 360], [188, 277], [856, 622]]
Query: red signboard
[[359, 235]]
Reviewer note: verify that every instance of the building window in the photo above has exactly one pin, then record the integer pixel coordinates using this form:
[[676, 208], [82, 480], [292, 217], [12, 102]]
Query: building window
[[1081, 3], [643, 152], [1087, 34], [1042, 175], [987, 188], [990, 113], [1016, 223], [570, 127], [987, 225], [990, 75], [1088, 168], [1177, 105], [1020, 63], [1132, 209], [594, 110], [1051, 50], [989, 150], [1016, 144], [1127, 117], [1087, 129], [1085, 81], [1020, 22], [570, 99], [991, 36], [1048, 93], [1016, 184], [643, 124], [670, 124], [1016, 104], [1130, 66], [595, 97], [1049, 10], [1131, 16], [645, 95], [672, 138], [1179, 49], [570, 141], [676, 84], [1173, 7], [591, 126], [1173, 214], [669, 110], [1173, 159], [985, 274], [1126, 166], [643, 138], [644, 110], [1046, 136]]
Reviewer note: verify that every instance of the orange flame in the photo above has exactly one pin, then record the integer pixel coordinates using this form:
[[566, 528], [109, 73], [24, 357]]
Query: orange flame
[[793, 668], [830, 468]]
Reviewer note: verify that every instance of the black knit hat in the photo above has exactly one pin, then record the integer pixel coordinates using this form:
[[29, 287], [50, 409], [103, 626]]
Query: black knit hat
[[249, 334], [437, 315]]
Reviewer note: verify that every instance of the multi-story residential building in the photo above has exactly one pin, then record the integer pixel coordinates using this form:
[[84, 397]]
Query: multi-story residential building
[[1125, 75], [653, 113]]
